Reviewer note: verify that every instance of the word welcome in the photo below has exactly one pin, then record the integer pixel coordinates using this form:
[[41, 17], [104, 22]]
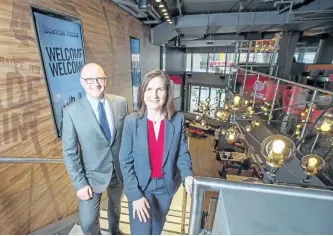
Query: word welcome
[[64, 61]]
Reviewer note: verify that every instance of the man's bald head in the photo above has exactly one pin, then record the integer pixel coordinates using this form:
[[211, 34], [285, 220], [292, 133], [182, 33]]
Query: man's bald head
[[92, 70], [93, 80]]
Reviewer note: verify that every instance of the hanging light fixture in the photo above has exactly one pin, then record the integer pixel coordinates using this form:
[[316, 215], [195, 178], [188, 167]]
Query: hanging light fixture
[[222, 115], [325, 124], [312, 164], [249, 111], [236, 102], [231, 134], [248, 128], [277, 150]]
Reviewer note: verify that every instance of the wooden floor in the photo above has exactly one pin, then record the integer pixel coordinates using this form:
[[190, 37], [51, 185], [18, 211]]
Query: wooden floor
[[204, 165], [171, 227]]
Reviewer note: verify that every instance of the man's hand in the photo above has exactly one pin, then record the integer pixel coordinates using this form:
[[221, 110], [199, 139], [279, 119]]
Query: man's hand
[[188, 184], [140, 208], [85, 193]]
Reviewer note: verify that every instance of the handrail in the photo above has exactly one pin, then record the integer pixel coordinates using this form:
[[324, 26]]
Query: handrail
[[287, 81], [31, 160]]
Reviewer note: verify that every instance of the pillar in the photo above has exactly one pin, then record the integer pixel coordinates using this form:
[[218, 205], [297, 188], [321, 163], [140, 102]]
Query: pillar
[[288, 45]]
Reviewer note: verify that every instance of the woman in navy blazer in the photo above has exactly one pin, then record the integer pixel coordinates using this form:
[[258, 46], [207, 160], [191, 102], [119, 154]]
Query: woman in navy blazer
[[154, 157]]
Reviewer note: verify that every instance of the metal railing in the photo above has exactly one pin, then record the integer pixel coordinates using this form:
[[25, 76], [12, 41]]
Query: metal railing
[[279, 80], [239, 202], [31, 160]]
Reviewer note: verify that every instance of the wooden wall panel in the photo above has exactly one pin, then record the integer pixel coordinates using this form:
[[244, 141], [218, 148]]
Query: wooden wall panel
[[35, 195]]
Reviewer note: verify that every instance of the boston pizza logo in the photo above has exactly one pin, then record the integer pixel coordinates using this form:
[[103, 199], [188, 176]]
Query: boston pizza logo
[[258, 86]]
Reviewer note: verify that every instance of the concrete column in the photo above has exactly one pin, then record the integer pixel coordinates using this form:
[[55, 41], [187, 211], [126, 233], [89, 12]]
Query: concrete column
[[325, 51], [288, 45]]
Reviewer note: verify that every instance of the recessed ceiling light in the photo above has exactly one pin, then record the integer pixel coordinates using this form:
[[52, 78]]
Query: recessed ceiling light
[[164, 10], [170, 22], [167, 17], [158, 0], [165, 13], [161, 5]]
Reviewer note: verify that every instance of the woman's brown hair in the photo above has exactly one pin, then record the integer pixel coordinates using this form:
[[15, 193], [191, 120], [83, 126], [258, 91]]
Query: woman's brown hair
[[169, 105]]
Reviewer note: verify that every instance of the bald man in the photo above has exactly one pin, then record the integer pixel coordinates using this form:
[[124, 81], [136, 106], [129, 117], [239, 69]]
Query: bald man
[[91, 136]]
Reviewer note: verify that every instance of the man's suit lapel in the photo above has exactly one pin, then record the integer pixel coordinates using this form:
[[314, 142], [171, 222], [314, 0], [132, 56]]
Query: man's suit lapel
[[114, 116], [169, 130], [91, 118]]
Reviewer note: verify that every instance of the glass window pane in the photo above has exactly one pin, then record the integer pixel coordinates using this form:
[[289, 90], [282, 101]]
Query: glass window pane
[[204, 93], [216, 63], [214, 100], [230, 62], [262, 57], [200, 62], [309, 57], [194, 97], [188, 62]]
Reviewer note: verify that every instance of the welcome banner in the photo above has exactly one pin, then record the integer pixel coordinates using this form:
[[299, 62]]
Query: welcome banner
[[62, 52]]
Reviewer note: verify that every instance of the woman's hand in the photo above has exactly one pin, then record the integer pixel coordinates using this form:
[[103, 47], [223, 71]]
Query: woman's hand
[[188, 184], [140, 207]]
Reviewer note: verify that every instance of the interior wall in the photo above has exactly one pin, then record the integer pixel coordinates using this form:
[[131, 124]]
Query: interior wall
[[175, 61], [35, 195], [175, 64]]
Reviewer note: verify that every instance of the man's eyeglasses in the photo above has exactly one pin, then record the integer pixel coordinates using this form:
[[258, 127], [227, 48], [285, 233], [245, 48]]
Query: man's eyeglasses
[[91, 80]]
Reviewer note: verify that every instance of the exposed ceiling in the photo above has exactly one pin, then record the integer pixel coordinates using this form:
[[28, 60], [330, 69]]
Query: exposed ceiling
[[201, 23]]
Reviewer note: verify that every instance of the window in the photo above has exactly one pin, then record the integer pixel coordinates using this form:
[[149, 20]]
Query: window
[[194, 97], [263, 57], [204, 93], [305, 54], [217, 62], [230, 62], [189, 62], [201, 93], [215, 98], [200, 62]]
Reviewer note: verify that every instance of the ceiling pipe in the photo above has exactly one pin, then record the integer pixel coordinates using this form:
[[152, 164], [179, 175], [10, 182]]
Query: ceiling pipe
[[179, 8], [156, 14], [290, 1], [132, 5]]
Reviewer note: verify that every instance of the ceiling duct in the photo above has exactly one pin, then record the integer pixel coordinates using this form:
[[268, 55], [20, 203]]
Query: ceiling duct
[[144, 5], [177, 42]]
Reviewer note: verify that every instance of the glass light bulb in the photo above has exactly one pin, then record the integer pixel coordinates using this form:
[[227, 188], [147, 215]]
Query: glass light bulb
[[236, 100], [312, 162], [278, 146], [325, 127], [231, 137]]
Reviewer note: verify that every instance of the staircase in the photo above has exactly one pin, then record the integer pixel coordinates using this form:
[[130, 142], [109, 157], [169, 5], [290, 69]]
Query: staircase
[[171, 227]]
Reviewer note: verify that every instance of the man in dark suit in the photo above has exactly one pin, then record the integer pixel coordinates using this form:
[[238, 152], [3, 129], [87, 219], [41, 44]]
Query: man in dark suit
[[92, 130]]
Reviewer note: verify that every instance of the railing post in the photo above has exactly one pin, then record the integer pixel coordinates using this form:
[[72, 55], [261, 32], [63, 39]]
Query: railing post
[[255, 92], [196, 209], [245, 77], [314, 143], [276, 72], [234, 89], [229, 79], [308, 114], [184, 203], [273, 102]]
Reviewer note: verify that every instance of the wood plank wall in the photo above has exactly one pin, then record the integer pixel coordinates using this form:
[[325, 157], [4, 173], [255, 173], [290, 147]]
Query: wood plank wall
[[35, 195]]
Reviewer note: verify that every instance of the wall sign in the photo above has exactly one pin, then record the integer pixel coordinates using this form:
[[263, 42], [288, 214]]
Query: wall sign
[[135, 67], [62, 55]]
